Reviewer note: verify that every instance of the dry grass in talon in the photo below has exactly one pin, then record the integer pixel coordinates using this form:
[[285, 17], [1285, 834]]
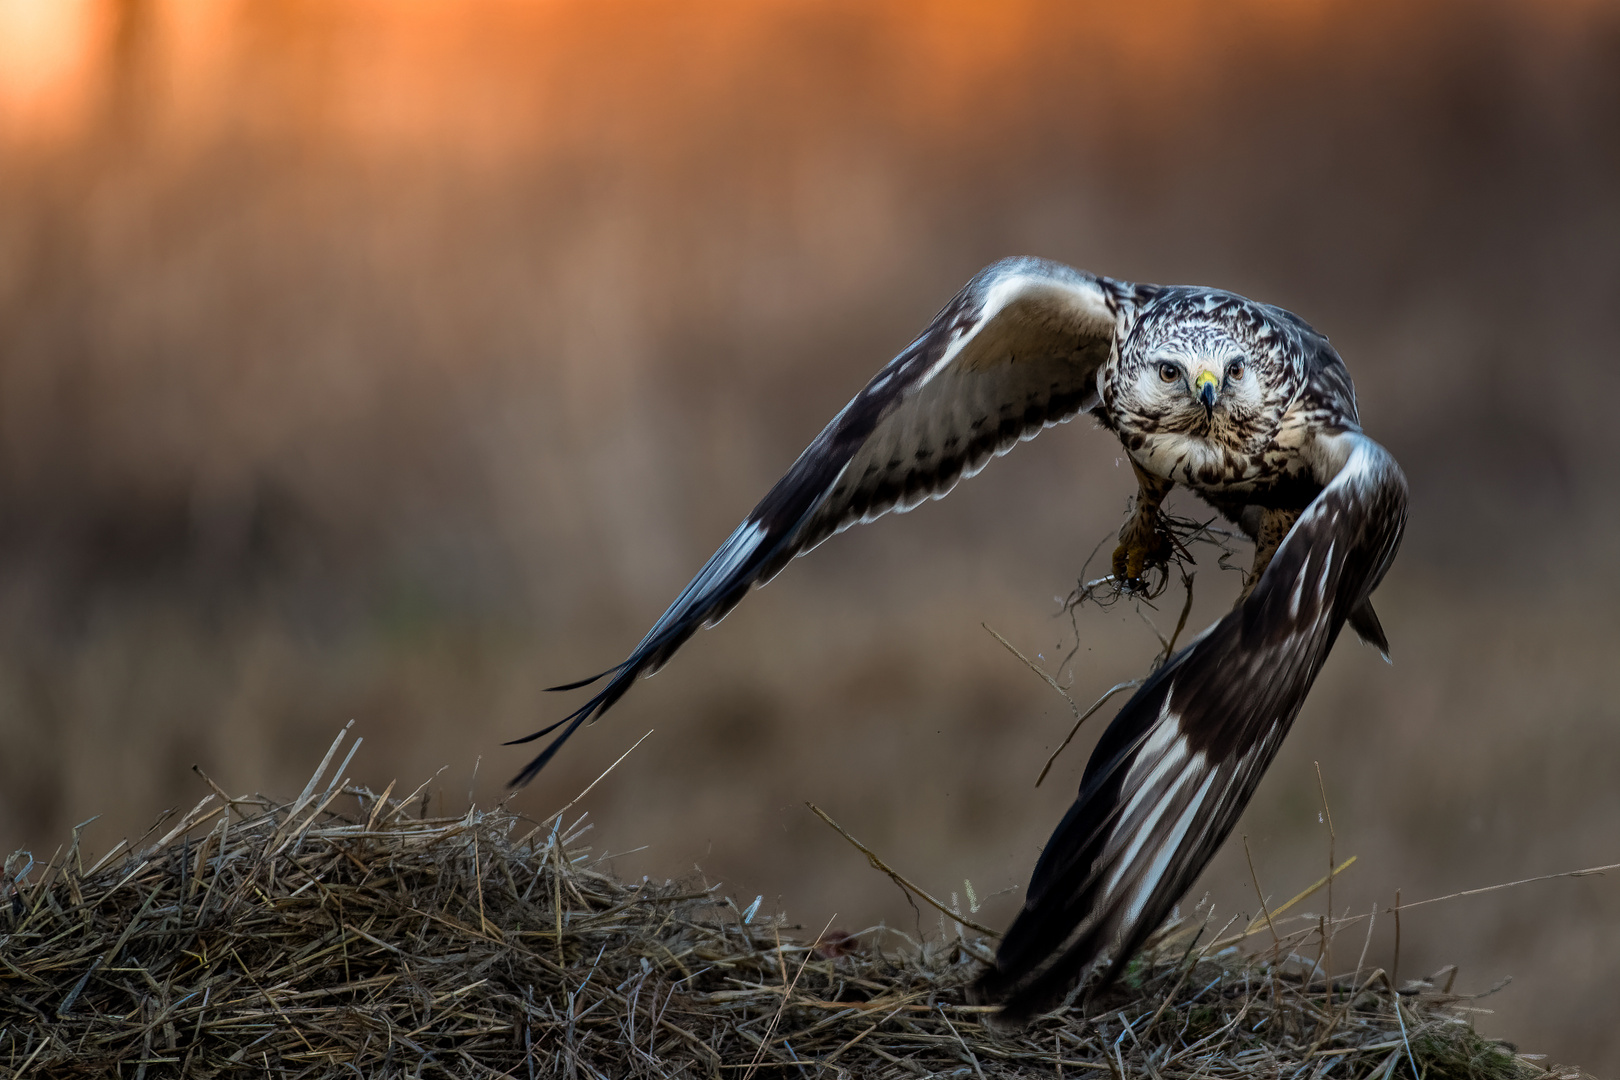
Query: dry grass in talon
[[343, 934], [1184, 534]]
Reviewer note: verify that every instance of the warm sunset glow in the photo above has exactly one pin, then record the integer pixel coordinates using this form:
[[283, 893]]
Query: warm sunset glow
[[503, 76], [46, 49]]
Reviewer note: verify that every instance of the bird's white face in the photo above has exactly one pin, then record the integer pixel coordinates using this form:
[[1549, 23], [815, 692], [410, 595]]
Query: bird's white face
[[1196, 399], [1196, 384]]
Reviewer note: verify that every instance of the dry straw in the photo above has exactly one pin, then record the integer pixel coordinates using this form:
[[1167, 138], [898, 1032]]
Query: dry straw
[[343, 934]]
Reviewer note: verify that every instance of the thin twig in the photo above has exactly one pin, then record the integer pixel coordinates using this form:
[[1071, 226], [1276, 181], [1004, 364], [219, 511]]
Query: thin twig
[[1053, 683], [899, 879], [1181, 623], [1395, 968], [1400, 1015], [598, 780], [1276, 941], [753, 1066], [972, 1057], [1327, 943], [1588, 872], [1082, 718], [1217, 946]]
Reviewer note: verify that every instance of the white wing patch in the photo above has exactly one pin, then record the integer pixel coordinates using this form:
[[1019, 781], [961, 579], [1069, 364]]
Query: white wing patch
[[1168, 849], [1323, 574], [732, 554], [1299, 589], [1143, 832], [1161, 768], [1002, 293]]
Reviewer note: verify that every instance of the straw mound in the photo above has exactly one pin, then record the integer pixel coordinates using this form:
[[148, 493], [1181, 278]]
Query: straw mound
[[295, 940]]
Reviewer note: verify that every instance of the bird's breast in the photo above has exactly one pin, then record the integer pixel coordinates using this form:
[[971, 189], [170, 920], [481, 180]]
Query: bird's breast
[[1211, 466]]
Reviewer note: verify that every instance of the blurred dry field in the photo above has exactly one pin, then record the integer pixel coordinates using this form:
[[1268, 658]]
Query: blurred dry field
[[395, 361]]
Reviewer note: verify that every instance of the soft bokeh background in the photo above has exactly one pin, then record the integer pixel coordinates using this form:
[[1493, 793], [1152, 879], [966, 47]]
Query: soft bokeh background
[[395, 360]]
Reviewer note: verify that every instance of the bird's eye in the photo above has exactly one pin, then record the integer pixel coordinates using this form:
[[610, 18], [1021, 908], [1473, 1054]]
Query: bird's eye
[[1234, 370], [1169, 372]]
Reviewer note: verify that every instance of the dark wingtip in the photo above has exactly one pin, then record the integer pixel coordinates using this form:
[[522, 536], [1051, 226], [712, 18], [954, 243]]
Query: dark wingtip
[[593, 708], [991, 989], [532, 769], [585, 682], [1023, 993], [1027, 991], [573, 685], [547, 730], [1020, 1005]]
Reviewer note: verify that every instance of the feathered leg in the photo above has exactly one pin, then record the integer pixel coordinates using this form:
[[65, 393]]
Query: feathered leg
[[1269, 531], [1268, 536], [1144, 541]]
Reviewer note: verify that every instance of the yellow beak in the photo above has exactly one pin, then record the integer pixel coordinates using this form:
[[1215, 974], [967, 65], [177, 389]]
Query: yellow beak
[[1207, 385]]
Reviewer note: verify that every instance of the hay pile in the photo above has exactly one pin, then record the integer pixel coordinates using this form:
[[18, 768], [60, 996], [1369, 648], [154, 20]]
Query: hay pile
[[339, 935]]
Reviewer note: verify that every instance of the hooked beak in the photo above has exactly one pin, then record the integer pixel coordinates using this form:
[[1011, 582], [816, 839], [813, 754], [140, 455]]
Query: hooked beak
[[1208, 385]]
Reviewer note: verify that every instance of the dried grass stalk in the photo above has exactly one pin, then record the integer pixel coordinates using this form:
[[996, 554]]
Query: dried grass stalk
[[339, 936]]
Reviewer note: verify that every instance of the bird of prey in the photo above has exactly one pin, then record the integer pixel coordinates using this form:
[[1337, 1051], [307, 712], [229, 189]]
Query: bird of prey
[[1241, 402]]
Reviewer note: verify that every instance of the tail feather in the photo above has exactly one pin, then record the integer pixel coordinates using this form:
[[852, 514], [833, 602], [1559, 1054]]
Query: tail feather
[[1364, 621]]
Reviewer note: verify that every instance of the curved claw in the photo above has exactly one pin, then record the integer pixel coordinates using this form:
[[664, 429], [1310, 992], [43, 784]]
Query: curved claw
[[1144, 543]]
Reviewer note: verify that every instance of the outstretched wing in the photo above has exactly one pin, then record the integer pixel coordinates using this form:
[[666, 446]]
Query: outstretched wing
[[1017, 350], [1176, 767]]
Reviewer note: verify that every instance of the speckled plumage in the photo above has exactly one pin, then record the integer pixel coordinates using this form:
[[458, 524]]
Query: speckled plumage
[[1241, 402], [1242, 457]]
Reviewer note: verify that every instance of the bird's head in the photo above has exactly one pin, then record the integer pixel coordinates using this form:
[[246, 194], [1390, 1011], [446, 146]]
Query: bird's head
[[1209, 365], [1192, 378]]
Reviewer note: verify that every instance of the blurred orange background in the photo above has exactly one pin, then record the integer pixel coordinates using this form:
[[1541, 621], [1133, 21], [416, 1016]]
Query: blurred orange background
[[393, 361]]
